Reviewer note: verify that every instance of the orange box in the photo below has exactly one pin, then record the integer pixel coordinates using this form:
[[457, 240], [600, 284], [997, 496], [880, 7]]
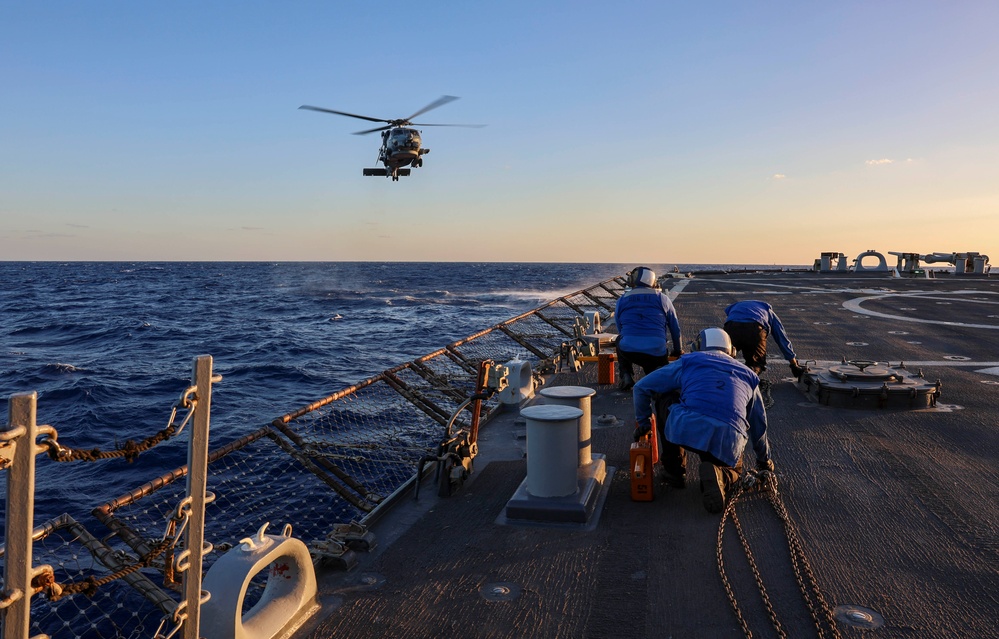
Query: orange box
[[605, 368], [641, 470], [643, 459]]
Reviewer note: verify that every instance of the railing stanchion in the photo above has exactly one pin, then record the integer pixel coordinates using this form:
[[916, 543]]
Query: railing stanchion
[[197, 479], [20, 515]]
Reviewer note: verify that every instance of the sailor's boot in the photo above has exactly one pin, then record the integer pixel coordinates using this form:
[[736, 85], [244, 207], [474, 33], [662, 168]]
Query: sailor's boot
[[626, 381], [716, 481], [712, 487]]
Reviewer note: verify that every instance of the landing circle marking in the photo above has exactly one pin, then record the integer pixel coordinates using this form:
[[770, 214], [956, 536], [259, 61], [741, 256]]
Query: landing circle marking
[[946, 408], [856, 305]]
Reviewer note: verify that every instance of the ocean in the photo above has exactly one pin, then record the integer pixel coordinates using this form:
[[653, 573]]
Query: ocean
[[109, 346]]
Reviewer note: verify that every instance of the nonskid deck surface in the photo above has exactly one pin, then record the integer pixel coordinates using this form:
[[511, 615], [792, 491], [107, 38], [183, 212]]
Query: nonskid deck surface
[[896, 510]]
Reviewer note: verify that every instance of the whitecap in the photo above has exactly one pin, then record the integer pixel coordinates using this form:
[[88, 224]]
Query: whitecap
[[62, 368]]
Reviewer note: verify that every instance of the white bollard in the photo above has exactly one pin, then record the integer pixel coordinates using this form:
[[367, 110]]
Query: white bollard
[[552, 449], [577, 397]]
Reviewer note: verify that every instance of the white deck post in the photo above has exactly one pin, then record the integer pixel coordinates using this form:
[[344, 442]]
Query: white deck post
[[20, 515], [197, 479]]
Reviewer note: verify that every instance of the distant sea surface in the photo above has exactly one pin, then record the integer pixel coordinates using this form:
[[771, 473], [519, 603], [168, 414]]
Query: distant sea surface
[[109, 346]]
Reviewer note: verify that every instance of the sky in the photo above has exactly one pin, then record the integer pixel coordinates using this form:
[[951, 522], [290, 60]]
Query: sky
[[747, 132]]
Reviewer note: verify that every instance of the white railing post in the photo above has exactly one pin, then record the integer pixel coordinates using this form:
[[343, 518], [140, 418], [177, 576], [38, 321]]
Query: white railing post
[[20, 515], [197, 480]]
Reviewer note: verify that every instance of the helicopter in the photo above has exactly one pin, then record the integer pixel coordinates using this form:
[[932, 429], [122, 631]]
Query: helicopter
[[401, 146]]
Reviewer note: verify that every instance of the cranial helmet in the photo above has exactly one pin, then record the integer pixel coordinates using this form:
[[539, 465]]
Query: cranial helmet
[[714, 339], [642, 276]]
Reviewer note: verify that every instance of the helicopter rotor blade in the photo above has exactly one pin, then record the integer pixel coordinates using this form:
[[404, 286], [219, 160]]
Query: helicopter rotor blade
[[351, 115], [381, 128], [468, 126], [441, 101]]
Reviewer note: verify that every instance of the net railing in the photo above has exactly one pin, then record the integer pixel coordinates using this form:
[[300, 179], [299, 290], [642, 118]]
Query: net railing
[[338, 460]]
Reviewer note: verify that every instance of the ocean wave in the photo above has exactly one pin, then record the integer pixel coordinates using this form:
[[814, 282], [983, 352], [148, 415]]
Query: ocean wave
[[109, 347], [61, 368]]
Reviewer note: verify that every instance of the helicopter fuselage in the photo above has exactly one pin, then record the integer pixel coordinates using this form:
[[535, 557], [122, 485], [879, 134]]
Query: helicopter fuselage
[[401, 147]]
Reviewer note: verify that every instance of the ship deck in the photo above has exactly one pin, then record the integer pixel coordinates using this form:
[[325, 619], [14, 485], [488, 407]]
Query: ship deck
[[895, 510]]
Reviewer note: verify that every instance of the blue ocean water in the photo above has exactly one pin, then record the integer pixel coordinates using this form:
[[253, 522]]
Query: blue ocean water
[[109, 346]]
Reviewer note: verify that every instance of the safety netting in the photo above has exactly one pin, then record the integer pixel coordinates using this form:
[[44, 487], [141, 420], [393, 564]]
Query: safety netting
[[331, 463]]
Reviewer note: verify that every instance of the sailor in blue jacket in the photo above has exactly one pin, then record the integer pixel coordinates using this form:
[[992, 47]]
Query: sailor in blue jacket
[[719, 410], [643, 315], [749, 323]]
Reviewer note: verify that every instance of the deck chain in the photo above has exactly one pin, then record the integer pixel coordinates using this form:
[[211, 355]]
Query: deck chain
[[130, 450], [765, 482]]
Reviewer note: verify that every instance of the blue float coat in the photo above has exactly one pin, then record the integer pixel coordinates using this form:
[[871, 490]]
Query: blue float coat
[[720, 406], [642, 316], [763, 314]]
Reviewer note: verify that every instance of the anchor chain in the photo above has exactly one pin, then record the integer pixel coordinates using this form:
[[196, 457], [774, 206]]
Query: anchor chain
[[130, 450], [818, 607]]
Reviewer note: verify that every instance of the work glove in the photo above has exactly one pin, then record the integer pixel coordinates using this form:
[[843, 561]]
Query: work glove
[[642, 431], [676, 353], [767, 465], [797, 370]]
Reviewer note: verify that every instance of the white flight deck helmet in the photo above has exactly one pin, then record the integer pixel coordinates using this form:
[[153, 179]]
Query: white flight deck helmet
[[714, 339], [642, 276]]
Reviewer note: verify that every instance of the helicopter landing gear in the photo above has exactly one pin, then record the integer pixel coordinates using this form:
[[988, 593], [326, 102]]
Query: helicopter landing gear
[[395, 174]]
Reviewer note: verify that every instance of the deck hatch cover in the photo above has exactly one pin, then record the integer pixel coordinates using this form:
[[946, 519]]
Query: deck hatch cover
[[868, 384]]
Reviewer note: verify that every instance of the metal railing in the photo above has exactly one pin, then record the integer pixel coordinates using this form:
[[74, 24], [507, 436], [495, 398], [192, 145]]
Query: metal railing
[[22, 580], [328, 468]]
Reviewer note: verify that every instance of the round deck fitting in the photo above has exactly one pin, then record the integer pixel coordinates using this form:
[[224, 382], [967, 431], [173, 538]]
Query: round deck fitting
[[607, 419], [499, 591], [861, 383], [369, 581], [858, 616], [862, 370]]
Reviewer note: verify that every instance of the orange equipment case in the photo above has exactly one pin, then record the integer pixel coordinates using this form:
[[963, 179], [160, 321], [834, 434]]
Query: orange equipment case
[[644, 457]]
